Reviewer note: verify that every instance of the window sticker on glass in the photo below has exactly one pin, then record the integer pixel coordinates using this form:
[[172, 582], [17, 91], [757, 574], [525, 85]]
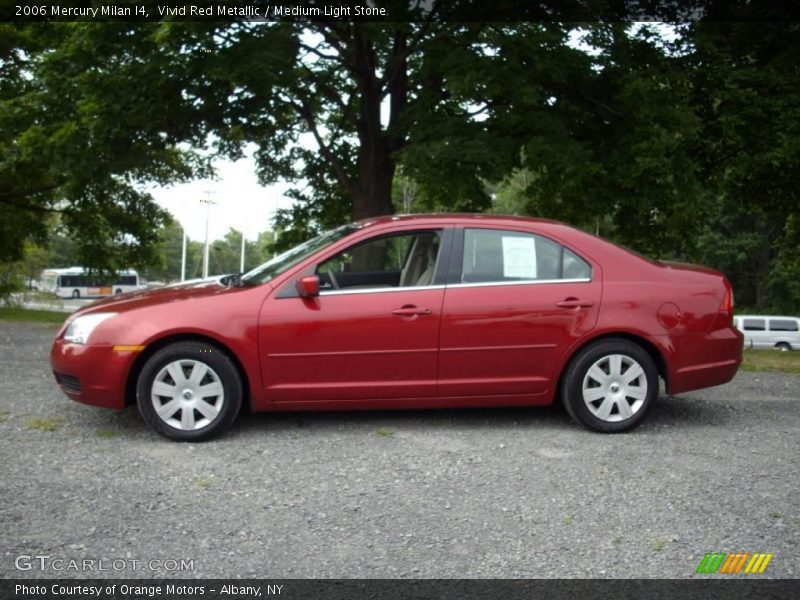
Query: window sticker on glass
[[519, 257]]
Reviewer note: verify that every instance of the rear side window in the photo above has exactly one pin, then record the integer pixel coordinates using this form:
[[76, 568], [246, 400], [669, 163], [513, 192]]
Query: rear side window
[[753, 324], [493, 255], [783, 325], [575, 267]]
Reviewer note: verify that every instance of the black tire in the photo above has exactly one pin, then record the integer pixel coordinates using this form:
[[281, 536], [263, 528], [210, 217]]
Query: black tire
[[76, 294], [577, 373], [220, 370], [783, 346], [117, 292]]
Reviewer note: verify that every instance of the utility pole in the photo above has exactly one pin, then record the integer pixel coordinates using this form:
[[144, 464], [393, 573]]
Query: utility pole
[[274, 227], [208, 202], [183, 257], [241, 264]]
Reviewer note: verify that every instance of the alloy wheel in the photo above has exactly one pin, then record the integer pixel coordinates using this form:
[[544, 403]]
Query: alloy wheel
[[614, 388], [187, 394]]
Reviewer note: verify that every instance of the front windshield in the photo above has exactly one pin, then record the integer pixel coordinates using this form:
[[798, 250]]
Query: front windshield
[[280, 263]]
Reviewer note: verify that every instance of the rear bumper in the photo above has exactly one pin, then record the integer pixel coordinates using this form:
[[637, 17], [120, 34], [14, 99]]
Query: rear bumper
[[706, 360], [93, 375]]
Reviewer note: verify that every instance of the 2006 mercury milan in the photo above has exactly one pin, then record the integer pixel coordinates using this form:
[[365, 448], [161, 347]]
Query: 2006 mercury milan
[[410, 312]]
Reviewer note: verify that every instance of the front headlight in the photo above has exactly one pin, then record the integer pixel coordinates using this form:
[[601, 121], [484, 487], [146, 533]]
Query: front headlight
[[80, 328]]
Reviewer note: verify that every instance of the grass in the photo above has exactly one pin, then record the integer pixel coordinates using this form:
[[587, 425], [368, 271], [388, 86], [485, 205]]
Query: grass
[[567, 520], [10, 313], [4, 416], [38, 424], [771, 361], [382, 432], [42, 297], [105, 433]]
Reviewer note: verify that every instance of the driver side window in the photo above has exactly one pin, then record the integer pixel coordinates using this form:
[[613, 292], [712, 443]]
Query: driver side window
[[405, 260]]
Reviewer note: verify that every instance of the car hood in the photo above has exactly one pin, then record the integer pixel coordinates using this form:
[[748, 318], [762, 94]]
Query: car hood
[[174, 293]]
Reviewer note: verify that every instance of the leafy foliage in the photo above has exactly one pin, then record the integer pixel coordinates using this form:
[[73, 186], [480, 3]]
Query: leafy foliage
[[746, 92], [682, 148]]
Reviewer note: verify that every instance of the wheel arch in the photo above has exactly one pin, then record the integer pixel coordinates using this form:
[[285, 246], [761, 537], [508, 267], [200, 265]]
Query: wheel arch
[[644, 343], [156, 345]]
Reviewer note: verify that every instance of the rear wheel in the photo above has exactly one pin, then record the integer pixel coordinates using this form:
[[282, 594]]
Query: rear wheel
[[189, 391], [609, 386], [783, 346]]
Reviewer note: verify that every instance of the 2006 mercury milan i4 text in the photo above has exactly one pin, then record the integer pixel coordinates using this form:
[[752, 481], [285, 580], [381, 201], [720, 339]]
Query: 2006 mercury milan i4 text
[[423, 311]]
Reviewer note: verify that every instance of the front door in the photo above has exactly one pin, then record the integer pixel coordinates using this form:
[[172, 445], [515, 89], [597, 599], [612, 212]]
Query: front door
[[372, 333]]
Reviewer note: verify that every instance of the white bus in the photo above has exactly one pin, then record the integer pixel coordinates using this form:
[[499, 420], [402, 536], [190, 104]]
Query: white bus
[[73, 282]]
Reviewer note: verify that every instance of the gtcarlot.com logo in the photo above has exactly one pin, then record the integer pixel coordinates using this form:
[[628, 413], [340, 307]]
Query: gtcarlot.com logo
[[45, 562], [734, 563]]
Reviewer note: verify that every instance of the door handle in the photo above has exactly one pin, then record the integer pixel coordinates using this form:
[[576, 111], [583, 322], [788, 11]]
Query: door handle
[[574, 303], [411, 311]]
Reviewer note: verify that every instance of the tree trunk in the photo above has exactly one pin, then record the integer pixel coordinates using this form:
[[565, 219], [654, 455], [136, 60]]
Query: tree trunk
[[376, 164], [762, 269], [373, 198], [373, 195]]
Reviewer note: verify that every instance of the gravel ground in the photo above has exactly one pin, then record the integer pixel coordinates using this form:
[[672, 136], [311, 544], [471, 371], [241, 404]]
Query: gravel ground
[[467, 493]]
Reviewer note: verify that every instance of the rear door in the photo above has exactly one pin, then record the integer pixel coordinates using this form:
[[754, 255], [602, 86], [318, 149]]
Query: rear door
[[515, 302]]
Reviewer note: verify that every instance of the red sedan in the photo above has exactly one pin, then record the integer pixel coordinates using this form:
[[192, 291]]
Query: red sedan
[[410, 312]]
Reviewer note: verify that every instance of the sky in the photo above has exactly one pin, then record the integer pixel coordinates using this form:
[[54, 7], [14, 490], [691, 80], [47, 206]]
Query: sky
[[241, 202]]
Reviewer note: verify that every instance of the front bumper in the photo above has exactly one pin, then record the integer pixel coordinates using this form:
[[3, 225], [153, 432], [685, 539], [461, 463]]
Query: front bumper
[[90, 374]]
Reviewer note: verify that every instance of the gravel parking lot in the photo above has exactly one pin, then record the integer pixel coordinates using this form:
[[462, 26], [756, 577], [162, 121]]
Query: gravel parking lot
[[468, 493]]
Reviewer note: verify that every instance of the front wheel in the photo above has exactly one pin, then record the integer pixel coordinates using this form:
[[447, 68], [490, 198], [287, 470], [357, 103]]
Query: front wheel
[[609, 386], [76, 294], [783, 346], [189, 391]]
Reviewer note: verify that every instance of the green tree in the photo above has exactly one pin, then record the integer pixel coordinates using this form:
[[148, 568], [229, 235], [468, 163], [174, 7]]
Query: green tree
[[72, 144], [52, 251], [428, 94], [169, 251], [684, 149], [746, 92], [616, 155], [225, 254]]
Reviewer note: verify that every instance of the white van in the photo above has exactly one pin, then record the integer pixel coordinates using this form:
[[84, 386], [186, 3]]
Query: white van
[[769, 332]]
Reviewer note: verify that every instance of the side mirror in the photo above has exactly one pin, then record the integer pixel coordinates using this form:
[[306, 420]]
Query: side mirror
[[308, 287]]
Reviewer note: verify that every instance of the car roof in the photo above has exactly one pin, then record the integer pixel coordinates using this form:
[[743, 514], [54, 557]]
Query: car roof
[[453, 218]]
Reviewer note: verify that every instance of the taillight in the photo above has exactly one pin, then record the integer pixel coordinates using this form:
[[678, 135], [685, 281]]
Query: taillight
[[727, 301]]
